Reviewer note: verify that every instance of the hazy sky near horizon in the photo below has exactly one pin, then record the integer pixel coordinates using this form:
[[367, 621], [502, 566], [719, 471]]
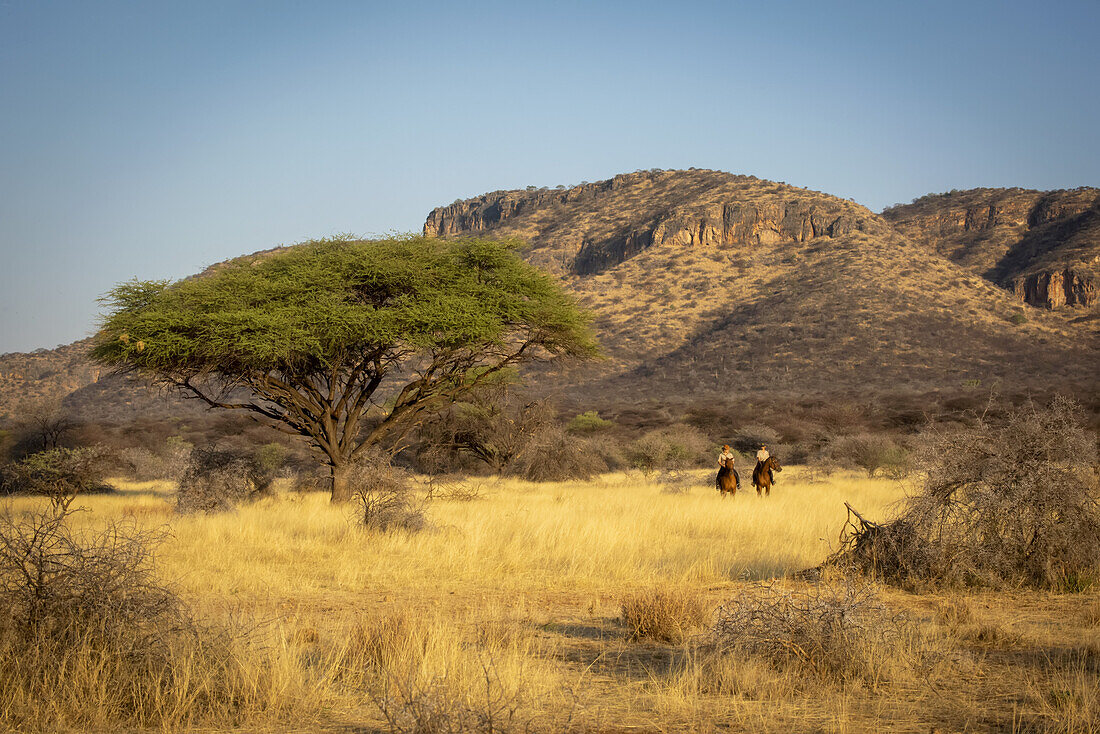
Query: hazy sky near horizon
[[150, 139]]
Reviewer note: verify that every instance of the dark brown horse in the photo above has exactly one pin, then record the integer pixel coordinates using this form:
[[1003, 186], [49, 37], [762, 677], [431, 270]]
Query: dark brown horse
[[762, 476], [727, 481]]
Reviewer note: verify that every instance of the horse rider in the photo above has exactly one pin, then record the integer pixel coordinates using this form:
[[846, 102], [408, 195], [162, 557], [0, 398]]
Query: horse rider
[[725, 456], [762, 455]]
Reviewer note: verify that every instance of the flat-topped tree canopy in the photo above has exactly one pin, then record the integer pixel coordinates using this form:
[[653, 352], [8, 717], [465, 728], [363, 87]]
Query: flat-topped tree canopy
[[311, 333]]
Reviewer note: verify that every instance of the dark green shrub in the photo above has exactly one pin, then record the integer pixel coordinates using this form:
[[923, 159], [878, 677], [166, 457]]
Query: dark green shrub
[[60, 471]]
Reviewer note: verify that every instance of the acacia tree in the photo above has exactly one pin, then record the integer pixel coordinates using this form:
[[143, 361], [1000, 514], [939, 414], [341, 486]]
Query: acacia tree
[[348, 343], [46, 422]]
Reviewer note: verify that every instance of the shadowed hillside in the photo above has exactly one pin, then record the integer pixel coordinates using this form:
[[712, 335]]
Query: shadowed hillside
[[706, 283], [43, 374], [1042, 245]]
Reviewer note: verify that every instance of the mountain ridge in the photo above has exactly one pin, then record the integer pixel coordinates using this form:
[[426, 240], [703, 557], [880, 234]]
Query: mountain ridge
[[703, 283]]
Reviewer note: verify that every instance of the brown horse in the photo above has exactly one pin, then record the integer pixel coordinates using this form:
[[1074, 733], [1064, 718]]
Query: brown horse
[[727, 481], [762, 477]]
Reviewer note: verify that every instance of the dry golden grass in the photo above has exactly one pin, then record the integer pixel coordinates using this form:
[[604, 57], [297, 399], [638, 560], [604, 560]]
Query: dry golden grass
[[510, 610]]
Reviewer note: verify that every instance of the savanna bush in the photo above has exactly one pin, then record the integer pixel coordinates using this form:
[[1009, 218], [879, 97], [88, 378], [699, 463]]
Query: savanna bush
[[674, 447], [589, 422], [874, 454], [59, 471], [169, 463], [91, 639], [384, 496], [553, 455], [666, 616], [270, 458], [1012, 502], [838, 630], [218, 481]]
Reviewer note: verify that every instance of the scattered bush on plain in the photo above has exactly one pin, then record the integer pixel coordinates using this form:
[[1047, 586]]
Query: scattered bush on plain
[[169, 463], [59, 471], [875, 454], [665, 616], [553, 455], [839, 630], [492, 428], [218, 481], [674, 447], [90, 639], [384, 495], [1005, 504]]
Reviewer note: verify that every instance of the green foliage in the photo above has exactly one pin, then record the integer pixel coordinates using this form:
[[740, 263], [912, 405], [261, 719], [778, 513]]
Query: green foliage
[[305, 308], [589, 422], [59, 471], [313, 332], [271, 457], [1019, 318]]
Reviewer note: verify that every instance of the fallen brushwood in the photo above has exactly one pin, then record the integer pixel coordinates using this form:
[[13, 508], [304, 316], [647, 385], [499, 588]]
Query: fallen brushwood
[[1009, 504]]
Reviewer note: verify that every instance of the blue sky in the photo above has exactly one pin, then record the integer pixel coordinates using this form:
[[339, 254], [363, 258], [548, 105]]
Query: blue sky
[[150, 139]]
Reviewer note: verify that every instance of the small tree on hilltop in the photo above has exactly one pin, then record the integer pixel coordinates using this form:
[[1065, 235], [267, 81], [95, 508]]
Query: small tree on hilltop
[[347, 343]]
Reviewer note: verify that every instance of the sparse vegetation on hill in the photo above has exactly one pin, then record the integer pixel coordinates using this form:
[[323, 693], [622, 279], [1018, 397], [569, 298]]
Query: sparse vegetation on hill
[[1042, 245], [714, 284], [739, 297]]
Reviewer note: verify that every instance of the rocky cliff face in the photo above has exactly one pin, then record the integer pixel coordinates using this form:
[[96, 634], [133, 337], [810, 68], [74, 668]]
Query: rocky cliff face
[[1043, 246], [702, 281], [1054, 289], [689, 209]]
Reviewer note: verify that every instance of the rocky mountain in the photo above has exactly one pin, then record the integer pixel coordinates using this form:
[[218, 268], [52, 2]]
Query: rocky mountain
[[1044, 246], [43, 374], [708, 288], [706, 283]]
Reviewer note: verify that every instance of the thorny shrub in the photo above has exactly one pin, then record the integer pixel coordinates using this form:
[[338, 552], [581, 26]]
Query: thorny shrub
[[553, 455], [384, 495], [218, 481], [144, 465], [1012, 503], [59, 471], [88, 634], [874, 454], [838, 630], [674, 447]]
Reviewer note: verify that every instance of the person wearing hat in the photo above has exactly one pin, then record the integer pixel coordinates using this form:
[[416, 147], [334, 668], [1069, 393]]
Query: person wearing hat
[[725, 455], [762, 455]]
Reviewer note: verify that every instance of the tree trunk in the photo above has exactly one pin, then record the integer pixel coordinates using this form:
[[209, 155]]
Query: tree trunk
[[341, 489]]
